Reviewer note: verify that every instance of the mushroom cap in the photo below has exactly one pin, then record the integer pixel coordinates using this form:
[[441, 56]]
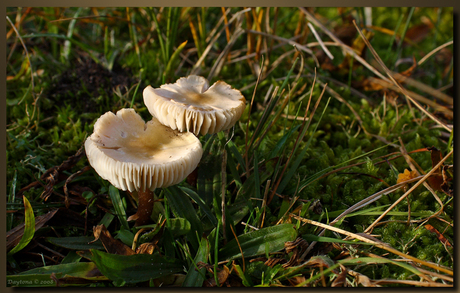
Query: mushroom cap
[[191, 105], [134, 155]]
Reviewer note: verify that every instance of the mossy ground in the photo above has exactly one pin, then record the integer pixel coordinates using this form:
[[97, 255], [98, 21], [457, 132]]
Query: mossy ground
[[83, 62]]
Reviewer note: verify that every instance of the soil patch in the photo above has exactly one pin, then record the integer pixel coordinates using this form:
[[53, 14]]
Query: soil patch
[[80, 86]]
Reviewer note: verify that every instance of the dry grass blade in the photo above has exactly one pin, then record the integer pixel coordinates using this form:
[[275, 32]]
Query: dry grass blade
[[384, 80], [409, 282], [239, 246], [409, 191], [222, 19], [377, 244], [346, 48], [373, 198], [428, 273], [68, 180], [328, 53], [288, 41], [252, 55], [427, 89], [214, 39], [361, 204], [403, 90], [221, 59], [416, 96], [433, 52], [435, 92]]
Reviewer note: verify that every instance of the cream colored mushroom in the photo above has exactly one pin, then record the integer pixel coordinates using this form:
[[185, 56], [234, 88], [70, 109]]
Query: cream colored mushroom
[[139, 157], [191, 105]]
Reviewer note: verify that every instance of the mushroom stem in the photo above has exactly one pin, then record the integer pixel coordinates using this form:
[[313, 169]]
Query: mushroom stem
[[144, 207]]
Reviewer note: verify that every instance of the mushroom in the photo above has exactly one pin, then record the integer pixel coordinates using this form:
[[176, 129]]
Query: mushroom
[[191, 105], [139, 157]]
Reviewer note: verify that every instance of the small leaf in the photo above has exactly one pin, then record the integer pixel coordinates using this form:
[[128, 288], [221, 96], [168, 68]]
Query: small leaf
[[29, 228], [246, 280]]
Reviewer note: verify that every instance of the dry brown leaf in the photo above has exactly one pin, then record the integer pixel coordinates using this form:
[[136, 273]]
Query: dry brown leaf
[[297, 247], [418, 32], [341, 280], [222, 276], [110, 244], [369, 85], [362, 279], [145, 248], [346, 33], [321, 261], [446, 186], [294, 281], [436, 180]]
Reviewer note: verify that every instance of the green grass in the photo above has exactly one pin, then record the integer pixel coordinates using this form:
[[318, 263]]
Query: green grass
[[317, 137]]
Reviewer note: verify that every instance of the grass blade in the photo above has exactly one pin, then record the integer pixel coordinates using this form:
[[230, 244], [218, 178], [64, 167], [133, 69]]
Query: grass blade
[[199, 201], [195, 276], [173, 58], [181, 205], [118, 206]]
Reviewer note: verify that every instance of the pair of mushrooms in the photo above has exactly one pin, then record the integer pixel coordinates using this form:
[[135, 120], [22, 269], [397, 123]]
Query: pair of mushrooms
[[139, 157]]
